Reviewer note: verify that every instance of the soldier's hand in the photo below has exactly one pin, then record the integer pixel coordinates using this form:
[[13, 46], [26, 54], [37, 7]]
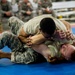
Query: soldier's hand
[[8, 13], [69, 35], [29, 12], [60, 34], [29, 42], [28, 4]]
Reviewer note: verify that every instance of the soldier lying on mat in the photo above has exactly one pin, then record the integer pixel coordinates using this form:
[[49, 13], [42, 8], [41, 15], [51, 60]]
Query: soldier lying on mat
[[50, 50]]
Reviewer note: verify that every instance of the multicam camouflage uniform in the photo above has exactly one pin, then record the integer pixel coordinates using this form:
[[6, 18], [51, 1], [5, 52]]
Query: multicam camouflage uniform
[[20, 52]]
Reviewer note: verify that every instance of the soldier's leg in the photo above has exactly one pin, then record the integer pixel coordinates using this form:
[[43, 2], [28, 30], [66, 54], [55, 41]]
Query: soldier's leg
[[15, 24], [19, 54], [27, 57], [5, 55], [10, 40]]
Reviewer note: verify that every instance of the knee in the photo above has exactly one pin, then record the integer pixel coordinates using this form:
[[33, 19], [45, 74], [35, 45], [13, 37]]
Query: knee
[[12, 19]]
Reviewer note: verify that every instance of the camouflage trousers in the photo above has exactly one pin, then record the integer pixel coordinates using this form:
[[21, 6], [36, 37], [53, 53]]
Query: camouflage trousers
[[15, 25], [20, 53]]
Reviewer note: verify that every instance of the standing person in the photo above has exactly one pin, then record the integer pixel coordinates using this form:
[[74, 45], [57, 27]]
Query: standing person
[[26, 9], [45, 7]]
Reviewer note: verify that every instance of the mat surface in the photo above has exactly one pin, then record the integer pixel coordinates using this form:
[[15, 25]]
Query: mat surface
[[8, 68]]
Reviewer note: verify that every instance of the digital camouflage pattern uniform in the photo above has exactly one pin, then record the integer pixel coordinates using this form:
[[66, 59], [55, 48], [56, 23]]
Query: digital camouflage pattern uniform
[[23, 9], [20, 52], [5, 7], [45, 4]]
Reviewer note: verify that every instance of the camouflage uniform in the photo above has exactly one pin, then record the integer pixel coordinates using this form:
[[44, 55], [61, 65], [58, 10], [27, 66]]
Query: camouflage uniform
[[45, 4], [5, 7], [15, 24], [23, 9], [20, 54]]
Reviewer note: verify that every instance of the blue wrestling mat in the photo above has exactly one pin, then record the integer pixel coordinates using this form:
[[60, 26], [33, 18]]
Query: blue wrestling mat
[[8, 68]]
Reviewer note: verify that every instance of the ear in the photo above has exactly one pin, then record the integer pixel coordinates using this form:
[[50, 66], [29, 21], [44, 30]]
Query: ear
[[63, 46]]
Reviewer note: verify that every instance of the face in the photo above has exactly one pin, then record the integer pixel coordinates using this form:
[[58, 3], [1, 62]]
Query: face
[[47, 36], [66, 50]]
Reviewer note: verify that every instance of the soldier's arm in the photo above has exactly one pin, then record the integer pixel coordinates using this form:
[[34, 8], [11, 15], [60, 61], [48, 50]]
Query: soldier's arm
[[32, 40], [37, 39], [23, 36]]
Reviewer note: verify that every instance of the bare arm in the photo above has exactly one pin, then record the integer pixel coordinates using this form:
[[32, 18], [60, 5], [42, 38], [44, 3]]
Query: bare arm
[[23, 36], [36, 39]]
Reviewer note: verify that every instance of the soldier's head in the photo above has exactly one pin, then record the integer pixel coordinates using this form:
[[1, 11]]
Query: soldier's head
[[68, 51], [47, 27]]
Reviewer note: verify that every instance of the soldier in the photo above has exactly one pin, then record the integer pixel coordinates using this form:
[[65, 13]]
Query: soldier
[[5, 8], [6, 12], [26, 9], [45, 7], [20, 54]]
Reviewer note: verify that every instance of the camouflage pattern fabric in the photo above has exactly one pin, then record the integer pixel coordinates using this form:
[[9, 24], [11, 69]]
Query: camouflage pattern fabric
[[45, 4], [15, 24], [23, 9], [21, 54]]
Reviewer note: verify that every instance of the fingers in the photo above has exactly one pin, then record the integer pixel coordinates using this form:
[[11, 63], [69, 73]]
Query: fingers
[[29, 43], [69, 35], [61, 34]]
